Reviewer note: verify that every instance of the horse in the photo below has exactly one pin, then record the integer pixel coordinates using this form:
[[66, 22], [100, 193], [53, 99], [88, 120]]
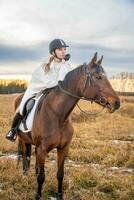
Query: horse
[[52, 126]]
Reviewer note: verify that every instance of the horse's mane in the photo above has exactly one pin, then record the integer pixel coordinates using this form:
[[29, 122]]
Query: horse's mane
[[73, 75], [78, 71]]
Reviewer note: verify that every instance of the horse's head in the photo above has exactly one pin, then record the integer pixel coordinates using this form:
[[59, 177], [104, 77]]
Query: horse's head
[[97, 86]]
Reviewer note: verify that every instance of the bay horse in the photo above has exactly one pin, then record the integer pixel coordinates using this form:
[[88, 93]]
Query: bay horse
[[52, 126]]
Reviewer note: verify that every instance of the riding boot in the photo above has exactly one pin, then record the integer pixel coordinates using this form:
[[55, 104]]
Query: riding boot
[[12, 134]]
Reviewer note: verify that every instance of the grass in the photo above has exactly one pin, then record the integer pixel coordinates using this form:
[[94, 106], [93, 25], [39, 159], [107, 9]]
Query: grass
[[100, 161]]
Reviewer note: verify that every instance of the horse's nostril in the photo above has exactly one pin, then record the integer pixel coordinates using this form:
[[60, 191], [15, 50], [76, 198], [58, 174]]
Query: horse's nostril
[[117, 104]]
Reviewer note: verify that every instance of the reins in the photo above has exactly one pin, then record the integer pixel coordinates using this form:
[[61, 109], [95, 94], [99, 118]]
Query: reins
[[89, 113], [82, 98]]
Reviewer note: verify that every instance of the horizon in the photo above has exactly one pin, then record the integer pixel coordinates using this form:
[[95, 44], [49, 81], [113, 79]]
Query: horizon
[[27, 77]]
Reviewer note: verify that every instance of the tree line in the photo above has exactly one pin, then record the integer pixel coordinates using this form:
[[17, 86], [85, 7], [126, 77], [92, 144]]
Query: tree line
[[19, 86], [12, 86], [124, 75]]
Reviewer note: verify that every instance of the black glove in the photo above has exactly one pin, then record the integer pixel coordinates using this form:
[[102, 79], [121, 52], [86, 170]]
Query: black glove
[[67, 57]]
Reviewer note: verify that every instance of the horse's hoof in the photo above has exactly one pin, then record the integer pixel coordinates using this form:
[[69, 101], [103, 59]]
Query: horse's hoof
[[37, 197], [25, 173], [59, 196]]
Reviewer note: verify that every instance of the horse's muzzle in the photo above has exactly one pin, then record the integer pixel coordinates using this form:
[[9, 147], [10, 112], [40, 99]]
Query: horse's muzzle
[[110, 105], [113, 106]]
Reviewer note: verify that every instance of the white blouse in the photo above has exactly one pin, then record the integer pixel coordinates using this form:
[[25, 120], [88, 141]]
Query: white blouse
[[41, 80]]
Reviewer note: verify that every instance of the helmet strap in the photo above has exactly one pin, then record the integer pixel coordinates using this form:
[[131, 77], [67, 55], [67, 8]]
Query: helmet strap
[[55, 55]]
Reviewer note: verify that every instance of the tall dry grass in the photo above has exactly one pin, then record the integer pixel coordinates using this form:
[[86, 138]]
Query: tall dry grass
[[101, 159]]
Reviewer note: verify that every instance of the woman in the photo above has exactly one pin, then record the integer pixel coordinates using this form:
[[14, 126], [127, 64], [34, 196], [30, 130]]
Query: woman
[[44, 76]]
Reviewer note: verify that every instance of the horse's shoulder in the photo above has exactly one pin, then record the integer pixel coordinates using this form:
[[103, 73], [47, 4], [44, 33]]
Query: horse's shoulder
[[67, 124]]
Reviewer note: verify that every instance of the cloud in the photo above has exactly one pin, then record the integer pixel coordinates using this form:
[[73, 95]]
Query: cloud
[[10, 53], [101, 22], [79, 52], [26, 27], [16, 59]]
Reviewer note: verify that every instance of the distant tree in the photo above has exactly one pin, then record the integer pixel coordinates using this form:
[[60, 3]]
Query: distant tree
[[123, 75], [12, 86]]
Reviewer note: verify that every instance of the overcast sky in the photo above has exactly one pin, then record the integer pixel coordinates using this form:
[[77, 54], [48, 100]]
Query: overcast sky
[[27, 27]]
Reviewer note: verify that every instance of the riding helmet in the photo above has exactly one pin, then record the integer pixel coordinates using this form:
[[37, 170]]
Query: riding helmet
[[56, 44]]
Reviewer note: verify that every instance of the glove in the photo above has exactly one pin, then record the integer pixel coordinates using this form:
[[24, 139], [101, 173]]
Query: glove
[[67, 57]]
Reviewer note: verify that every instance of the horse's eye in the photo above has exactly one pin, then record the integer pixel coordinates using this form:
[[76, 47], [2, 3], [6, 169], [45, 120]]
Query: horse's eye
[[98, 77]]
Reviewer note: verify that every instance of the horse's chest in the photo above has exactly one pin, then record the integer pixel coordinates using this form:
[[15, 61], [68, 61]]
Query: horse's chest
[[65, 137]]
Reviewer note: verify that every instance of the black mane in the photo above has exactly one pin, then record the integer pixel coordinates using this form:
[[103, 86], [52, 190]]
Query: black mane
[[78, 71], [73, 75]]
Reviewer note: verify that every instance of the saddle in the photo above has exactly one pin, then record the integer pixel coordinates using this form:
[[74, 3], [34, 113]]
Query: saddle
[[30, 103]]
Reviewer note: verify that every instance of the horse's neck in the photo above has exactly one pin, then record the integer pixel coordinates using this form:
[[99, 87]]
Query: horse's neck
[[68, 105], [62, 104], [67, 102]]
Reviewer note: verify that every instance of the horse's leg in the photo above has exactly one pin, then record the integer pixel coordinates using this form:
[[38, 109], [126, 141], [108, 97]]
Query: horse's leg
[[62, 154], [27, 158], [40, 158], [24, 161], [26, 154], [21, 152], [36, 164]]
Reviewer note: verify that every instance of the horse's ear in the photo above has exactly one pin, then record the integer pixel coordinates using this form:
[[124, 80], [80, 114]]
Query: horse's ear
[[100, 61], [93, 61]]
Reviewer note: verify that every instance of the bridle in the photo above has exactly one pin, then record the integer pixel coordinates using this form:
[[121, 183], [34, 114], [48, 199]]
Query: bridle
[[101, 100]]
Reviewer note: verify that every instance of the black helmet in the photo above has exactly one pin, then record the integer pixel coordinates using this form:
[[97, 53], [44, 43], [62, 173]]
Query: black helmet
[[56, 44]]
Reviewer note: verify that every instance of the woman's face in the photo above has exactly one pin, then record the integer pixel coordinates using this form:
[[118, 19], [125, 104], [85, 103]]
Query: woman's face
[[61, 52]]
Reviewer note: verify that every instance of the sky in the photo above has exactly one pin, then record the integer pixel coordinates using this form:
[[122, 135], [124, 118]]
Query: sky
[[27, 27]]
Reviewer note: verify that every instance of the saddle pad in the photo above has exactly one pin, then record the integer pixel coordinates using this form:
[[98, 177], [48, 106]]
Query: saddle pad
[[30, 117]]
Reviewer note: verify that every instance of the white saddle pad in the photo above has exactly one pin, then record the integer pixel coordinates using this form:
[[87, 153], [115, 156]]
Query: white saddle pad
[[29, 120]]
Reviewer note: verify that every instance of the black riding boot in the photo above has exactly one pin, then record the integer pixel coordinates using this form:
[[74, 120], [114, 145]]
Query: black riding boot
[[12, 134]]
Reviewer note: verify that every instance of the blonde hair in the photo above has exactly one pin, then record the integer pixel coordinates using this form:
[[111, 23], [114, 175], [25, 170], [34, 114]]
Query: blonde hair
[[46, 66]]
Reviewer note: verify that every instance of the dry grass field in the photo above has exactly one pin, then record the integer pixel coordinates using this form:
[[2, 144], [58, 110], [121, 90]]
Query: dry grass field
[[100, 164]]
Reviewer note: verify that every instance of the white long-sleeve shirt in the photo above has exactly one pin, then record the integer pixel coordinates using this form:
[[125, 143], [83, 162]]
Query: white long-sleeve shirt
[[41, 80]]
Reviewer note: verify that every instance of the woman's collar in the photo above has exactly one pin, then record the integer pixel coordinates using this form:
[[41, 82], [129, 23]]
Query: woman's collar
[[62, 62]]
